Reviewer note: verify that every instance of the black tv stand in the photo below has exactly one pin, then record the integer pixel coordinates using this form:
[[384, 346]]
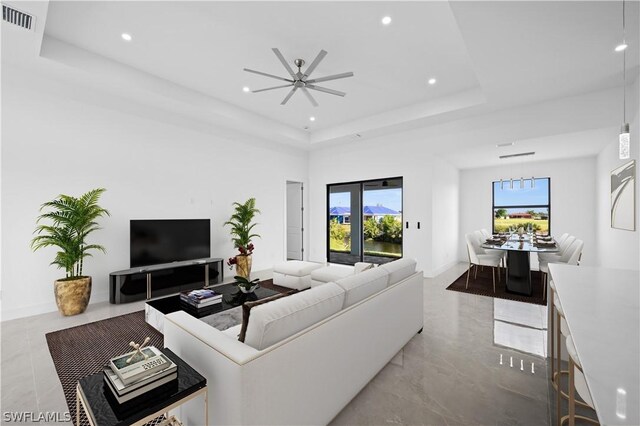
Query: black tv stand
[[145, 282]]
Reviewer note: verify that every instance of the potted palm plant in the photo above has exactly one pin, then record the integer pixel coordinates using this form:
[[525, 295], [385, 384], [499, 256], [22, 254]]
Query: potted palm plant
[[241, 235], [65, 223]]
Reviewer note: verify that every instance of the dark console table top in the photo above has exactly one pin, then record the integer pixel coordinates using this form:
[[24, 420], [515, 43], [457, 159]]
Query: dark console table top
[[106, 412], [162, 266]]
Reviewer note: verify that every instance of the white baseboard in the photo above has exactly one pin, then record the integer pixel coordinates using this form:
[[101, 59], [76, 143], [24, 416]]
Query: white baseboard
[[43, 308], [27, 311], [437, 271]]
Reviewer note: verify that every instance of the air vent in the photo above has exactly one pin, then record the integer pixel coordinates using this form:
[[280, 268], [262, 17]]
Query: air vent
[[522, 154], [14, 16]]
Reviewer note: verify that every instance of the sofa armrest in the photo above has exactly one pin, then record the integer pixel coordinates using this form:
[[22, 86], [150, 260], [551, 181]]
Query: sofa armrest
[[227, 346]]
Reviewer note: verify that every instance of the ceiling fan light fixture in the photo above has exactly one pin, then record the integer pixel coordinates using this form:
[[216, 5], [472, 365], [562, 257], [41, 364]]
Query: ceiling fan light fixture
[[300, 80], [245, 89]]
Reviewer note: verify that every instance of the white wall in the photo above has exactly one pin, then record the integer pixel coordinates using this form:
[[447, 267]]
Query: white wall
[[54, 144], [445, 216], [403, 155], [573, 201], [618, 248]]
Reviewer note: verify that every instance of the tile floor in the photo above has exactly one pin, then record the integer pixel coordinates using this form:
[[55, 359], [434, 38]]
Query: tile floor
[[462, 370]]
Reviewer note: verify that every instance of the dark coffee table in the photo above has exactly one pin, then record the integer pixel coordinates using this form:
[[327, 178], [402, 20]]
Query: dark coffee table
[[232, 297]]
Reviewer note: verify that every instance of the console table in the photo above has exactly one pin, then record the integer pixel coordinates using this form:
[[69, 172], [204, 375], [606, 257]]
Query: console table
[[145, 282]]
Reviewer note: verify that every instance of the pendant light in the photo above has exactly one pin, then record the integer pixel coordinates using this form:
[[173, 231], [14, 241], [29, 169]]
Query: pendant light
[[624, 139]]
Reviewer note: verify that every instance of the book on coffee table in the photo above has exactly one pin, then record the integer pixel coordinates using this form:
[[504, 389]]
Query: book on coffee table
[[201, 297]]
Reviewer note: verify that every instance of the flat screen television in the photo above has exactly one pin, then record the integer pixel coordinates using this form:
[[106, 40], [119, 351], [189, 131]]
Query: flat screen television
[[168, 240]]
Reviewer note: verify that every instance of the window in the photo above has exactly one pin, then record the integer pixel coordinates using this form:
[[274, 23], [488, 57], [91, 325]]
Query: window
[[364, 221], [522, 205]]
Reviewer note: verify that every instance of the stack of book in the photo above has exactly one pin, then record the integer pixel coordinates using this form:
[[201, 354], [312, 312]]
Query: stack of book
[[140, 379], [202, 298]]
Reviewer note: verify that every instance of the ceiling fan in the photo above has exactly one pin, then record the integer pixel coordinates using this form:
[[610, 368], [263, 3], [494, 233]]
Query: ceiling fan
[[300, 80]]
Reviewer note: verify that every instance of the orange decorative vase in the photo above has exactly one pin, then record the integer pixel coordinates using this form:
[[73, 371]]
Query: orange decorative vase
[[243, 265]]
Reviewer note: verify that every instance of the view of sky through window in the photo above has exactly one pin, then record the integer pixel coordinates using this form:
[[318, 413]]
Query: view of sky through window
[[538, 196], [390, 198]]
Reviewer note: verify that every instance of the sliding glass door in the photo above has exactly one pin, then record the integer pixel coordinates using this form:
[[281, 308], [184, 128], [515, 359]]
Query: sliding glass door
[[364, 221]]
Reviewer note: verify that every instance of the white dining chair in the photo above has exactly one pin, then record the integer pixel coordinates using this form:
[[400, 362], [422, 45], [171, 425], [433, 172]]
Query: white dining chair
[[476, 259], [563, 245], [482, 236], [571, 255]]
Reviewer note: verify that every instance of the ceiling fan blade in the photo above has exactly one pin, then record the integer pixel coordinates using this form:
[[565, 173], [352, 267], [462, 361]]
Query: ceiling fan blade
[[268, 75], [289, 95], [324, 89], [331, 77], [313, 101], [284, 62], [271, 88], [314, 64]]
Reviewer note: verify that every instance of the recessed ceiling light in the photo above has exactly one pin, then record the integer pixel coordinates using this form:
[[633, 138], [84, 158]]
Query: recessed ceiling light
[[432, 81], [312, 119], [126, 37], [621, 47], [386, 20], [245, 89]]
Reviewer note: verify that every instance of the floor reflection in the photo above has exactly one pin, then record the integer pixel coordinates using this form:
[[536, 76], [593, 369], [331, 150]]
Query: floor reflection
[[520, 326]]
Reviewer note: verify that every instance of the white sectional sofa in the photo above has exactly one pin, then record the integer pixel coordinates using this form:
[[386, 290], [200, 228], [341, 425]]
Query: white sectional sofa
[[334, 272], [305, 356]]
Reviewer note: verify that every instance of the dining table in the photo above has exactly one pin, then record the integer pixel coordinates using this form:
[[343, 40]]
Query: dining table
[[519, 248], [602, 310]]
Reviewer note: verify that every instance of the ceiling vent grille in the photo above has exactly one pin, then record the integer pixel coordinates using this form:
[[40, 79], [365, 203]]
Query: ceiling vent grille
[[14, 16]]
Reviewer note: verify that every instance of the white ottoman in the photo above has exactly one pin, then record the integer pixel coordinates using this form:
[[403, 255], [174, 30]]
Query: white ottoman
[[295, 274]]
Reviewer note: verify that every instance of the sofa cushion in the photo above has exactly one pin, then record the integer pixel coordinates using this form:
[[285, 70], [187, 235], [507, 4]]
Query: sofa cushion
[[297, 268], [331, 273], [360, 286], [361, 267], [399, 269], [279, 319], [233, 331], [247, 306]]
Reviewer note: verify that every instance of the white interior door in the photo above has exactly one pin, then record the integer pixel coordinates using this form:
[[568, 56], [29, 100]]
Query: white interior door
[[295, 226]]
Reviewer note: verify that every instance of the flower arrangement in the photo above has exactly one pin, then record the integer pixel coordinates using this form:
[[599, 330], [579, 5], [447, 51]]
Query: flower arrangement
[[248, 251]]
